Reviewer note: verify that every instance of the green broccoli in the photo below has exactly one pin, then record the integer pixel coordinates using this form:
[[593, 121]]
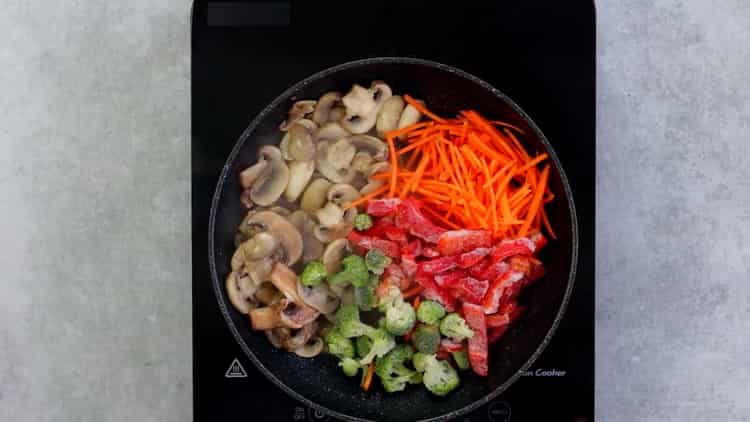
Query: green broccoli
[[455, 327], [418, 361], [430, 312], [349, 324], [362, 222], [355, 272], [461, 358], [376, 261], [365, 297], [363, 346], [439, 376], [382, 343], [390, 296], [350, 366], [390, 368], [399, 315], [339, 345], [426, 338], [313, 274]]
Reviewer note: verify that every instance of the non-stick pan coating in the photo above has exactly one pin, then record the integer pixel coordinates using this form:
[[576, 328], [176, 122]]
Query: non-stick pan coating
[[319, 382]]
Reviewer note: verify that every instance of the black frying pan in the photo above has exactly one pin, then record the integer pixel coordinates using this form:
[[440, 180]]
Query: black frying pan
[[319, 382]]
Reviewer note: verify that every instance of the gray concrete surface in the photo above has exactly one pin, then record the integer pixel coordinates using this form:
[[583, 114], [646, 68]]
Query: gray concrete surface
[[94, 190]]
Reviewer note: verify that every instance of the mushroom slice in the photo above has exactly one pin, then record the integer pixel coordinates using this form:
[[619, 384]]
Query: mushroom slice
[[315, 195], [284, 279], [356, 123], [266, 294], [259, 246], [272, 182], [284, 212], [318, 297], [299, 338], [380, 92], [311, 349], [378, 168], [377, 149], [335, 175], [308, 124], [359, 101], [345, 292], [341, 194], [312, 248], [341, 153], [337, 113], [361, 162], [389, 114], [298, 111], [276, 336], [330, 215], [325, 104], [409, 116], [252, 173], [334, 253], [259, 270], [297, 314], [240, 291], [371, 187], [301, 146], [269, 153], [300, 173], [328, 234], [330, 132], [266, 318], [289, 237]]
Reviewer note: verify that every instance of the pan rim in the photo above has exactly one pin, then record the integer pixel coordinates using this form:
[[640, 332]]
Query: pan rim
[[284, 96]]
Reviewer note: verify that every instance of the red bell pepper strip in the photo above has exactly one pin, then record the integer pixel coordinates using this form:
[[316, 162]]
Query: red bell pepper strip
[[396, 234], [497, 320], [478, 354], [494, 334], [471, 258], [388, 247], [478, 270], [394, 276], [439, 265], [471, 290], [507, 248], [450, 346], [458, 241], [494, 271], [433, 292], [496, 291], [450, 279], [430, 252], [381, 207], [409, 266], [413, 248], [409, 217]]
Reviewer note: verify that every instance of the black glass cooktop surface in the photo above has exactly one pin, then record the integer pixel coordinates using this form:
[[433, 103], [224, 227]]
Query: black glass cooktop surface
[[540, 53]]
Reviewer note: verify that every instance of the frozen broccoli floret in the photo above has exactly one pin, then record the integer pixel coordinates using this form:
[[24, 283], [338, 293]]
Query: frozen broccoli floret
[[439, 376], [350, 366], [430, 312], [362, 222], [382, 343], [376, 261], [390, 368], [399, 318], [365, 297], [455, 327], [354, 272], [363, 346], [339, 345], [349, 324], [313, 274], [418, 361], [461, 358], [426, 338]]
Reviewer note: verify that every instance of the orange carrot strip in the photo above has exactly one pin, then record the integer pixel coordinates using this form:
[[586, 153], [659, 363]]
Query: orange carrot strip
[[442, 219], [547, 225], [394, 166], [413, 146], [479, 145], [413, 291], [416, 302], [533, 162], [536, 201], [508, 125], [490, 130], [422, 109], [367, 197], [368, 376]]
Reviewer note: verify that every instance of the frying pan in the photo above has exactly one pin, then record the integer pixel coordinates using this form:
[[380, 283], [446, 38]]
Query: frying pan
[[319, 382]]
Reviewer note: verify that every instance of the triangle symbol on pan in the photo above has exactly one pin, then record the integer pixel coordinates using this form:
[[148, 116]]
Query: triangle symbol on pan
[[236, 370]]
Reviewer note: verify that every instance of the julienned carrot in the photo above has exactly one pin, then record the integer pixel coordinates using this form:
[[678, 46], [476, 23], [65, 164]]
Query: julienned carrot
[[413, 291], [470, 172], [368, 376], [365, 198], [416, 303]]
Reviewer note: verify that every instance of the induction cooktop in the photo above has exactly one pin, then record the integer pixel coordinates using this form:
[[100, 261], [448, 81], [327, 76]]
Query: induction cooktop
[[539, 53]]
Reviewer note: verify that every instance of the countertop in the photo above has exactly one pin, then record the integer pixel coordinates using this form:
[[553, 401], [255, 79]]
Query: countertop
[[95, 318]]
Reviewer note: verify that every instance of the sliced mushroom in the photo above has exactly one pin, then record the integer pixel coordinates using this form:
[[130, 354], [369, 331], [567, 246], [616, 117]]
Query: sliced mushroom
[[318, 297], [334, 253], [341, 153], [298, 111], [276, 336], [356, 123], [297, 314], [328, 234], [300, 337], [361, 162], [308, 124], [341, 194], [377, 168], [371, 187], [284, 279], [289, 237], [359, 101], [337, 113], [259, 270], [301, 146], [311, 349], [240, 291], [312, 247], [409, 116], [330, 132], [272, 183], [335, 175], [377, 149], [389, 114], [330, 215], [324, 106], [278, 209], [300, 173], [259, 246], [252, 173], [345, 292], [284, 147], [350, 215], [380, 92], [315, 195], [267, 294], [245, 199]]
